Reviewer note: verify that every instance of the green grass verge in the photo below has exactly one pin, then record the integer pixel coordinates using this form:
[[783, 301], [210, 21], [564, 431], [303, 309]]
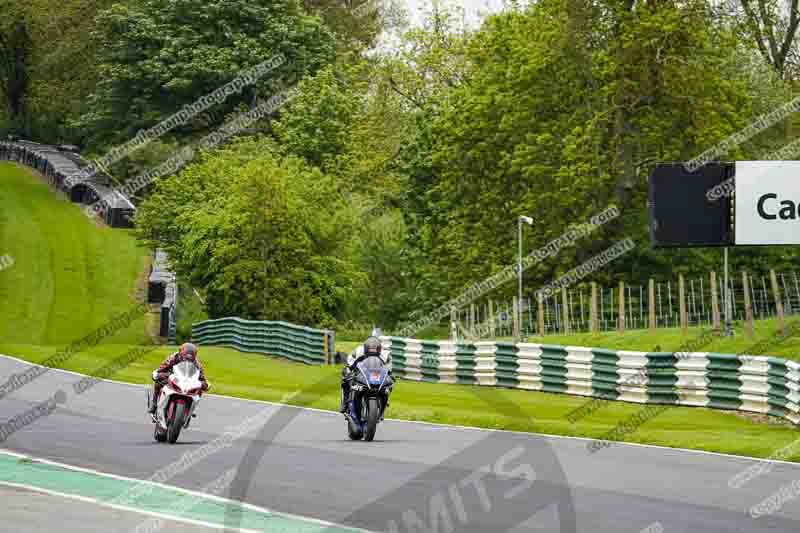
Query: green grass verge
[[69, 275], [266, 378]]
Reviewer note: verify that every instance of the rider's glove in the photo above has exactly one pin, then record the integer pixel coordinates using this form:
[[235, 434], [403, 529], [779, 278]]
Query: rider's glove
[[155, 375]]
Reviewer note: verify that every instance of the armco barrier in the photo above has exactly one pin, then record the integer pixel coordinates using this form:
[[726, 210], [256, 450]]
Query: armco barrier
[[299, 343], [756, 384], [162, 288]]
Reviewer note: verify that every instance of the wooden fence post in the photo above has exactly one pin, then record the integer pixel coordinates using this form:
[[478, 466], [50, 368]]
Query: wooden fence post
[[472, 317], [748, 307], [516, 319], [491, 319], [565, 308], [651, 304], [778, 301], [621, 313], [715, 317], [682, 304], [593, 310], [540, 314]]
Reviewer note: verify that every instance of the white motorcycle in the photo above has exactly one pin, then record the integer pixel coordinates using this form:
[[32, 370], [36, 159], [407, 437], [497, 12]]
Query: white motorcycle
[[177, 402]]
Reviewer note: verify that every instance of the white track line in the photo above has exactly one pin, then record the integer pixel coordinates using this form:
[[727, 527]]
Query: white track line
[[122, 507], [436, 424], [205, 495]]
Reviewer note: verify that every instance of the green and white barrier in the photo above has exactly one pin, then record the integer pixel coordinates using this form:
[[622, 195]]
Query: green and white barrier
[[754, 384], [299, 343]]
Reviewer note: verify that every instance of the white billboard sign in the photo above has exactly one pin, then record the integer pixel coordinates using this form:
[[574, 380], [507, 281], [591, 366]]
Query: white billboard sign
[[767, 198]]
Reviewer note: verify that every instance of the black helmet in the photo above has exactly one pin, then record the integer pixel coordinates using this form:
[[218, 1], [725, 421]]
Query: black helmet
[[372, 346], [189, 350]]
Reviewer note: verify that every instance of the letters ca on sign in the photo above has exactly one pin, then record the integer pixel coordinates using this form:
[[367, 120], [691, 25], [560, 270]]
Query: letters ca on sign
[[767, 199]]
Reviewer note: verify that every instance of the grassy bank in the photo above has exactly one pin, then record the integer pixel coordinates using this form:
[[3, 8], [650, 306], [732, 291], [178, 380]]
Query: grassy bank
[[69, 275]]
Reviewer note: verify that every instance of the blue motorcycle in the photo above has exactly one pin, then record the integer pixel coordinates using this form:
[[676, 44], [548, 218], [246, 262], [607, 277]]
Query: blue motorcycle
[[369, 395]]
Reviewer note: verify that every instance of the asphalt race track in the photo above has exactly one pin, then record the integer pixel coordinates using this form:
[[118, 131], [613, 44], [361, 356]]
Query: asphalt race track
[[414, 477]]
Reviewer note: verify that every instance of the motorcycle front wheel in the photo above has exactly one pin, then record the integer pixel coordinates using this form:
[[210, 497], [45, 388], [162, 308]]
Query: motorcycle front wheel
[[175, 424], [373, 414]]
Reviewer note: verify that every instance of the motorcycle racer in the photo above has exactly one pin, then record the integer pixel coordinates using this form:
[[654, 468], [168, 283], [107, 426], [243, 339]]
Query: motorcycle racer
[[187, 352], [371, 347]]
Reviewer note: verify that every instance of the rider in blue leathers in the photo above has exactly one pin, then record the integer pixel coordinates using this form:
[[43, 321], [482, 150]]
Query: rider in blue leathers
[[371, 347]]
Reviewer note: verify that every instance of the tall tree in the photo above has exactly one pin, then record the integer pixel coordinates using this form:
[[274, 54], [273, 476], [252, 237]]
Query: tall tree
[[772, 24], [558, 124], [156, 56], [358, 24], [63, 68], [264, 235]]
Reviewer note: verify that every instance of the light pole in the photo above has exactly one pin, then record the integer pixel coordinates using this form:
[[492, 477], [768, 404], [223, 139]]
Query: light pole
[[529, 221]]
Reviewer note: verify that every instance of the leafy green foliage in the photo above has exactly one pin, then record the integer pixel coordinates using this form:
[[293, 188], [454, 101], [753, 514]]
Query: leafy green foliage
[[156, 56], [349, 123], [565, 107], [258, 232], [51, 53], [382, 254], [395, 178], [554, 111], [317, 123]]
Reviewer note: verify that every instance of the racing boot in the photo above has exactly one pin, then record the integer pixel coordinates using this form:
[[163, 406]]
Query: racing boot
[[343, 404], [345, 389], [154, 401]]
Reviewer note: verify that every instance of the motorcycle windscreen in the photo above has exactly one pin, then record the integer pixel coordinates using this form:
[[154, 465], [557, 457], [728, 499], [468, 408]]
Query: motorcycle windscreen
[[185, 369], [374, 370]]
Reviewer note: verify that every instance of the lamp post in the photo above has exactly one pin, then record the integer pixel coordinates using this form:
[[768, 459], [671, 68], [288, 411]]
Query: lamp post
[[529, 221]]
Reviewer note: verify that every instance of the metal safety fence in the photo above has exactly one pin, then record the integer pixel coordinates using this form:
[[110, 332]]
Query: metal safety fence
[[756, 384], [298, 343]]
